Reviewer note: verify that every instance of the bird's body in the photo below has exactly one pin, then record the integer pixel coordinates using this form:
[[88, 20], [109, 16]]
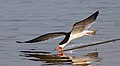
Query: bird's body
[[76, 36], [79, 29]]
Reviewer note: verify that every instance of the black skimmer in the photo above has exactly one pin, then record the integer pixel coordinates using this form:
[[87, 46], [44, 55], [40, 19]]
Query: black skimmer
[[79, 29]]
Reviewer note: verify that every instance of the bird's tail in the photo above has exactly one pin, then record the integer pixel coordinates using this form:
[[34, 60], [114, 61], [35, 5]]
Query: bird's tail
[[94, 31], [91, 32]]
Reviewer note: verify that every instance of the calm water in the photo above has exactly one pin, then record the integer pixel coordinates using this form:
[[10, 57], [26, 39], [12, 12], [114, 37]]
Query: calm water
[[26, 19]]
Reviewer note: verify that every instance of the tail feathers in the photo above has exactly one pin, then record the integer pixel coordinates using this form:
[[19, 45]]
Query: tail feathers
[[91, 32], [94, 32]]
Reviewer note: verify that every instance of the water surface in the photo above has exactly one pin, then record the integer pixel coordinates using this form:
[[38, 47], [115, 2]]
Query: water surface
[[26, 19]]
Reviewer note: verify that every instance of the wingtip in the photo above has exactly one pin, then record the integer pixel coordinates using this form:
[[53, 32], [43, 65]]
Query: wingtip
[[24, 42], [97, 12], [94, 15], [19, 42]]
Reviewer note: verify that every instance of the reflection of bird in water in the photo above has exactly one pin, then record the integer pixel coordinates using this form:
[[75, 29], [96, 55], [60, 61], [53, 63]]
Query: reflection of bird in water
[[79, 29], [54, 59]]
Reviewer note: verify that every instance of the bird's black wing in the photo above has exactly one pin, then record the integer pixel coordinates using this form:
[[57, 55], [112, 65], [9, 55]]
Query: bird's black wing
[[44, 37]]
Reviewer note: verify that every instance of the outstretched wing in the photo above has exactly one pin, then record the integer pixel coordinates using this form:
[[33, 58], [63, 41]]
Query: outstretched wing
[[44, 37], [84, 24]]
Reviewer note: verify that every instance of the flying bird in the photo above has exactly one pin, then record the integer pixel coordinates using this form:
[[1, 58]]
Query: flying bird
[[78, 30]]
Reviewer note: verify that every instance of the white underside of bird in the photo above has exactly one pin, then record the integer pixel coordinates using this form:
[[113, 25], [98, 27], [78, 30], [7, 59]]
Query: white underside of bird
[[78, 35]]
